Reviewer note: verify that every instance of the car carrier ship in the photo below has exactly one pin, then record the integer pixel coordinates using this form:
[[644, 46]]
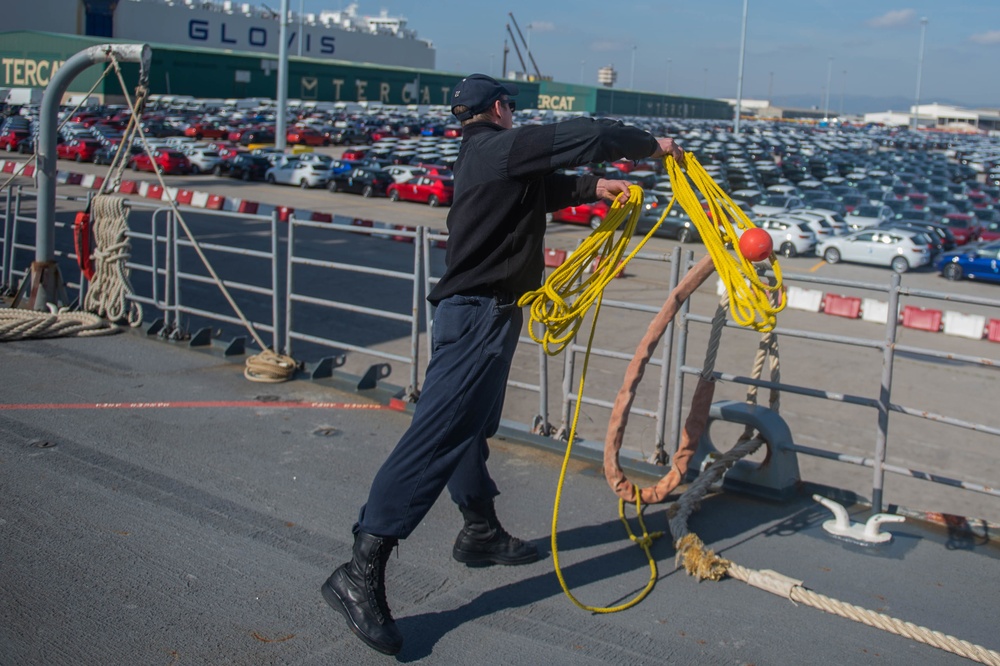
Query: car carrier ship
[[343, 34]]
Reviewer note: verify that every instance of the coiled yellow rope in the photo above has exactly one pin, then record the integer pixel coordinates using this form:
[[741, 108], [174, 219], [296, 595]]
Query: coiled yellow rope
[[749, 303], [561, 303]]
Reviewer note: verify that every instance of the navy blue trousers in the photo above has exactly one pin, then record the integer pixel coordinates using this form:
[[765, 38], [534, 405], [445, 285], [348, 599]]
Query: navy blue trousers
[[474, 339]]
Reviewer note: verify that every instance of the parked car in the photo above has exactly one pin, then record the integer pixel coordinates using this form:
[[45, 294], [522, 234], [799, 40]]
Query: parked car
[[965, 227], [363, 181], [991, 231], [675, 225], [302, 174], [770, 204], [592, 214], [432, 190], [306, 136], [203, 160], [868, 215], [976, 261], [403, 172], [256, 136], [349, 135], [169, 161], [790, 237], [11, 139], [205, 131], [244, 166], [107, 153], [81, 150], [898, 249]]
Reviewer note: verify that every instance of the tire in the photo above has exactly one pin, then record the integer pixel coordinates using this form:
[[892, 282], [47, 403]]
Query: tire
[[270, 178], [433, 201], [195, 170], [79, 158], [8, 147], [832, 255], [135, 167], [368, 192], [595, 221], [304, 184], [952, 271], [246, 176], [684, 235], [394, 195], [900, 264], [787, 249], [217, 170]]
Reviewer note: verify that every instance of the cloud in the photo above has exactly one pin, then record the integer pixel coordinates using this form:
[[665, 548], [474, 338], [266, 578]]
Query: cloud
[[893, 19], [991, 37]]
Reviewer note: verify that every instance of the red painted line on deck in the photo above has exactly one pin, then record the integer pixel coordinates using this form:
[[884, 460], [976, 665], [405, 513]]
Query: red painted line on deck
[[209, 404]]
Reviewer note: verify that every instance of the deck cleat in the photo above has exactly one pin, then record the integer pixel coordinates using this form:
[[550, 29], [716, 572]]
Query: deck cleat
[[841, 525]]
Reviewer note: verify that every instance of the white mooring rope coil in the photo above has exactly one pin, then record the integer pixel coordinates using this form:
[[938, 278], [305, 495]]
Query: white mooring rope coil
[[110, 289]]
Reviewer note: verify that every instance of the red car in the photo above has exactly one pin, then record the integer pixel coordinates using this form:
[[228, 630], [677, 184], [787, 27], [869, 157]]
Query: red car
[[11, 139], [169, 161], [432, 190], [81, 150], [205, 131], [306, 136], [964, 227], [354, 154], [589, 213]]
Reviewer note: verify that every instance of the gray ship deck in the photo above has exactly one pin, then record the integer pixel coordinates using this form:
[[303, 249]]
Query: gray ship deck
[[191, 520]]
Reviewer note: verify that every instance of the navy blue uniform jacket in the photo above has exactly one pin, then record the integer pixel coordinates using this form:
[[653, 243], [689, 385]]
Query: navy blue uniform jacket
[[505, 183]]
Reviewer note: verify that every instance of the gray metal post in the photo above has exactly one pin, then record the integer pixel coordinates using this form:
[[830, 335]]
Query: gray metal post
[[276, 292], [47, 280], [280, 128], [920, 70], [739, 79], [885, 393], [418, 271], [7, 225], [667, 347]]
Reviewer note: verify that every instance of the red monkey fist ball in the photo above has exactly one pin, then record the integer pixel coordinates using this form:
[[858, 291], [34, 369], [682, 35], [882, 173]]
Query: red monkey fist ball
[[756, 244]]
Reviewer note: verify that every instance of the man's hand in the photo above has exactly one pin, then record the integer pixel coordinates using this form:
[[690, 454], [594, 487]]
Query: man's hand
[[669, 147], [613, 190]]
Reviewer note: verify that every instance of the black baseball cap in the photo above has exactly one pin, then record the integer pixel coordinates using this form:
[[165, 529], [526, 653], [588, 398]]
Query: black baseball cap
[[478, 92]]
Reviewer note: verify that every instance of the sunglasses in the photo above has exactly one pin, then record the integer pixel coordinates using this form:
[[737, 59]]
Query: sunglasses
[[511, 104]]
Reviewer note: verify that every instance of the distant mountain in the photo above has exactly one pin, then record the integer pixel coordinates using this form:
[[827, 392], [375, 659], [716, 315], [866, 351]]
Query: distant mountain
[[861, 104]]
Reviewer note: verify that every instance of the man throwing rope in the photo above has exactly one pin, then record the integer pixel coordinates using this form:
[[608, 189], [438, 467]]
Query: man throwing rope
[[506, 181]]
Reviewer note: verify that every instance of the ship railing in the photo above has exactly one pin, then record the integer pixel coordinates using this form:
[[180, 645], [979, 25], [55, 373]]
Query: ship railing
[[887, 394]]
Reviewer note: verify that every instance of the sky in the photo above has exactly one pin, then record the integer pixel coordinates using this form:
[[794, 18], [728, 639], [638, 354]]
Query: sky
[[854, 48]]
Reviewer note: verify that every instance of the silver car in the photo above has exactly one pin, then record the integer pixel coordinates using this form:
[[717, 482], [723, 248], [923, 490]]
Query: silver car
[[790, 237], [898, 249], [295, 172]]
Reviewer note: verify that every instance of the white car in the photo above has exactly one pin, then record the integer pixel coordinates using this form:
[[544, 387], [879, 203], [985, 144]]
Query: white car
[[790, 237], [770, 204], [404, 172], [302, 174], [867, 215], [898, 249], [203, 160], [819, 224]]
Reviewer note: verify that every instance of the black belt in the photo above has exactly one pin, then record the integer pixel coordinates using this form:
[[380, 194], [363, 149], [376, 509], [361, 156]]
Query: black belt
[[502, 296]]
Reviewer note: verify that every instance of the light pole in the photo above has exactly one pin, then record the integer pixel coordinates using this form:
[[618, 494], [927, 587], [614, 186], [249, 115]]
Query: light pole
[[631, 83], [739, 78], [826, 92], [843, 88], [920, 67]]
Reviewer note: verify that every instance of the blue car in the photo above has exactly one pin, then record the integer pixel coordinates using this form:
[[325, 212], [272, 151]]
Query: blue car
[[976, 261]]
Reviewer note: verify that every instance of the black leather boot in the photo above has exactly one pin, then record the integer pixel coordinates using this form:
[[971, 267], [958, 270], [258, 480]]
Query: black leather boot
[[484, 541], [357, 590]]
